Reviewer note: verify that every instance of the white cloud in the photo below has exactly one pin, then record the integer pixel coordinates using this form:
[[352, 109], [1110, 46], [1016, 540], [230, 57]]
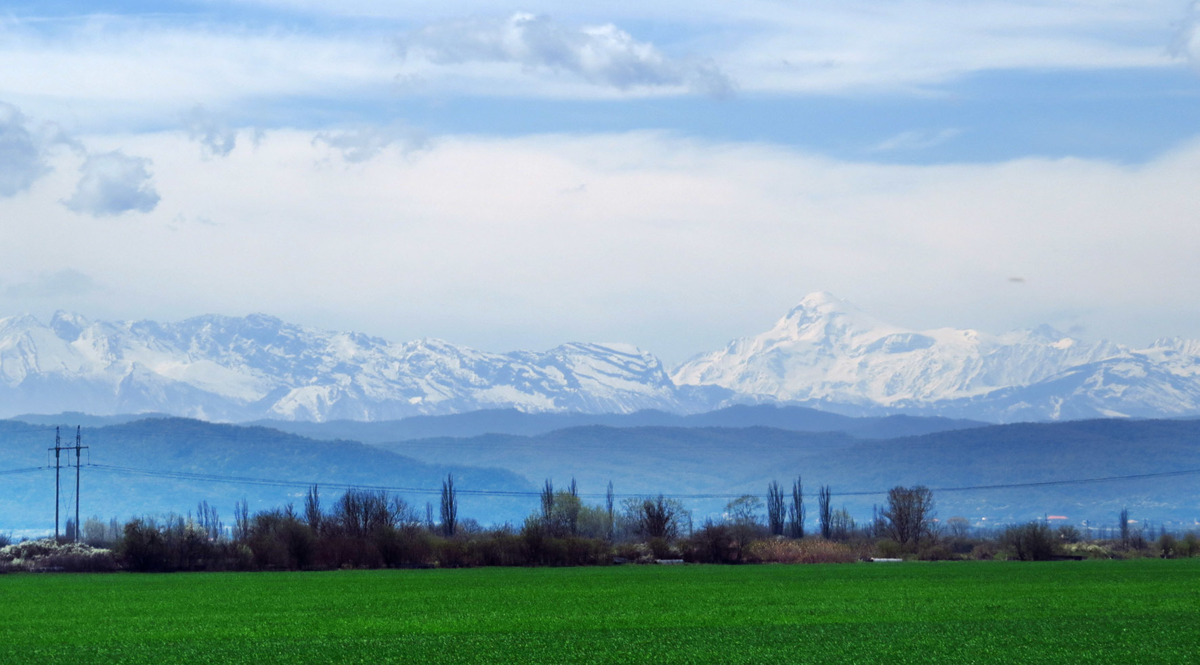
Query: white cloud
[[364, 143], [206, 129], [847, 46], [917, 140], [112, 183], [126, 72], [1187, 39], [601, 54], [66, 283], [136, 71], [21, 154], [676, 245]]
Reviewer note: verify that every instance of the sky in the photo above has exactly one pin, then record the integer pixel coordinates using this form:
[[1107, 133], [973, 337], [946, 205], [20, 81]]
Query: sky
[[668, 174]]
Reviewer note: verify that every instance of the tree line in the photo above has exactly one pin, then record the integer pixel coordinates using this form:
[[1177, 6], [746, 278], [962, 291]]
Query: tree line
[[378, 529]]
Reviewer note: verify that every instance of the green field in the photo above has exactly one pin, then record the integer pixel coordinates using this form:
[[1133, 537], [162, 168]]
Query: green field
[[1142, 611]]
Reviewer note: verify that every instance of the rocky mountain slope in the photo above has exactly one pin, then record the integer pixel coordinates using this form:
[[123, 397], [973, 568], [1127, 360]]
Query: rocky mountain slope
[[824, 353], [827, 352], [225, 368]]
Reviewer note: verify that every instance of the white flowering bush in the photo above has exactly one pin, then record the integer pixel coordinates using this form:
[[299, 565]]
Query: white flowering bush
[[47, 555]]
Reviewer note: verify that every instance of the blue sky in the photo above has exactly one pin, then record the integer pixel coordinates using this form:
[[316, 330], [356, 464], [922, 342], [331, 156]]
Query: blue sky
[[669, 174]]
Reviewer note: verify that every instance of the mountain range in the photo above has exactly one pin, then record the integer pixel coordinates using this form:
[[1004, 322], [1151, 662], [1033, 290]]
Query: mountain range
[[824, 353], [159, 465]]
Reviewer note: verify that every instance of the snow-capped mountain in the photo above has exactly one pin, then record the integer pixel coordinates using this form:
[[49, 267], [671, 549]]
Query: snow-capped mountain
[[227, 368], [824, 353], [827, 352]]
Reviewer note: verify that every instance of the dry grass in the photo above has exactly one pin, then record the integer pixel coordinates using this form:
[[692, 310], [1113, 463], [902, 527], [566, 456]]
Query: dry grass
[[800, 551]]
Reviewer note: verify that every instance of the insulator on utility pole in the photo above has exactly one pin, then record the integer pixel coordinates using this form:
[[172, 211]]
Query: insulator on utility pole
[[57, 448]]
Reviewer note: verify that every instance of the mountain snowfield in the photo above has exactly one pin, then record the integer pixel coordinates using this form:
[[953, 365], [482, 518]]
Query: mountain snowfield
[[826, 352], [823, 353], [224, 368]]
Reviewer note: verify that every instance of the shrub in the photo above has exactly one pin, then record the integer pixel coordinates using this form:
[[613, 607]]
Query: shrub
[[661, 549], [451, 552], [1190, 546], [713, 543], [1168, 546], [142, 547], [636, 552], [1029, 542], [936, 552], [44, 555], [1089, 550], [984, 551], [889, 549]]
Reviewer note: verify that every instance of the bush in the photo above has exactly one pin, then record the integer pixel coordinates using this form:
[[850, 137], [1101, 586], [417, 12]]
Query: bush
[[889, 549], [1190, 546], [47, 555], [1168, 546], [1089, 550], [1029, 542], [661, 549], [984, 551], [713, 543], [635, 552], [936, 552], [142, 547]]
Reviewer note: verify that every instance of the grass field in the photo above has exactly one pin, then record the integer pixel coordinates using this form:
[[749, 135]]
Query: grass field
[[1142, 611]]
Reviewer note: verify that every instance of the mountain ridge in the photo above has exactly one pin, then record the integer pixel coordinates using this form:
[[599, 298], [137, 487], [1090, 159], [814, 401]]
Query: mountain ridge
[[824, 353]]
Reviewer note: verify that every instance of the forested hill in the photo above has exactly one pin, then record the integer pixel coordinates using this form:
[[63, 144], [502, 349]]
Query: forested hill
[[512, 421], [731, 461], [717, 461], [191, 446]]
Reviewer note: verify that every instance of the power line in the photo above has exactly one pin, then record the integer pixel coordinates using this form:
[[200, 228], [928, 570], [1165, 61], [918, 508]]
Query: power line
[[29, 469], [245, 480], [27, 430]]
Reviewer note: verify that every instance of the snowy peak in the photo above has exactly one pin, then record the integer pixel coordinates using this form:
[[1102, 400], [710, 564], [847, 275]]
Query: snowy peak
[[68, 326], [235, 368], [821, 317], [825, 351]]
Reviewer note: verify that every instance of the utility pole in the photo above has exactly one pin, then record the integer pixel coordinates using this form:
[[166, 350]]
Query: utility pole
[[57, 448], [78, 448]]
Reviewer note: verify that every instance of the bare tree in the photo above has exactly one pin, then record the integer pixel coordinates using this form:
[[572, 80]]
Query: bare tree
[[610, 508], [208, 520], [841, 525], [958, 527], [659, 518], [825, 511], [571, 509], [449, 507], [547, 501], [908, 514], [1123, 523], [241, 520], [776, 510], [796, 510], [312, 509]]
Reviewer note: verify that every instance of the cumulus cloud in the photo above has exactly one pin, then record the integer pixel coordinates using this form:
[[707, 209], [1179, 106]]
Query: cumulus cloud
[[364, 143], [214, 136], [602, 54], [112, 183], [21, 154], [61, 284]]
